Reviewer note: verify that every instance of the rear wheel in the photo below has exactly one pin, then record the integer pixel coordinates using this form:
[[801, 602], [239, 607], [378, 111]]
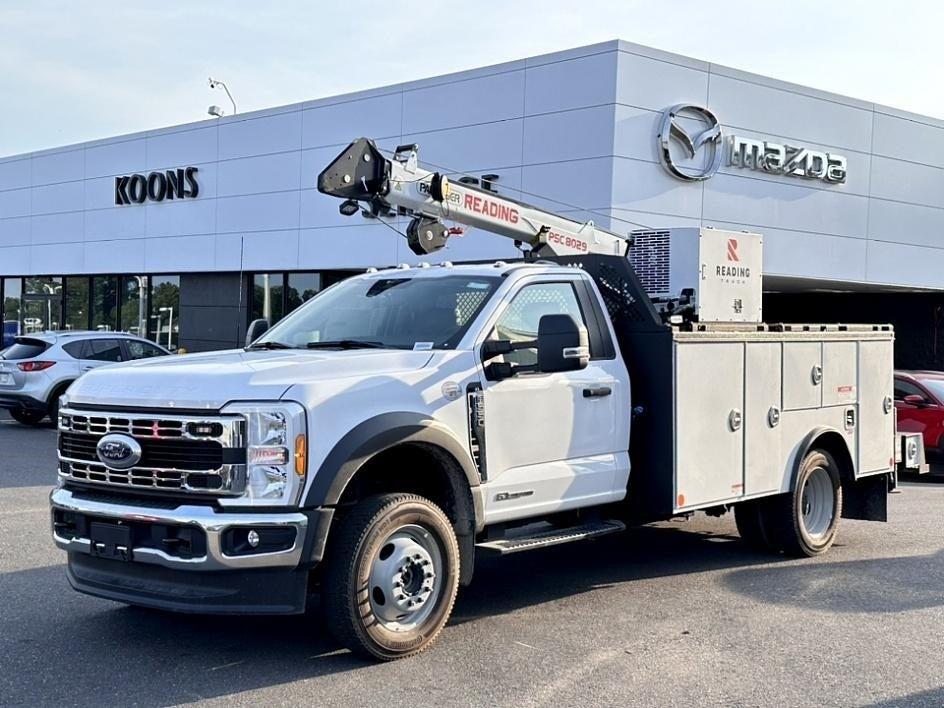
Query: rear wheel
[[391, 577], [27, 417], [804, 522]]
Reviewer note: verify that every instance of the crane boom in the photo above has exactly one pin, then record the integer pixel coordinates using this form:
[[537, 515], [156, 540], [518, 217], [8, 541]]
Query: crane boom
[[361, 174]]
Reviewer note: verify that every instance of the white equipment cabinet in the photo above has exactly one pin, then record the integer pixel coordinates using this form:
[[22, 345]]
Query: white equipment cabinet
[[745, 401]]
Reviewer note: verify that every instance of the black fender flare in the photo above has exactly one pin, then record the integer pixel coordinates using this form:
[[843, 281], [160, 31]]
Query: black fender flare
[[864, 498], [375, 435], [808, 443]]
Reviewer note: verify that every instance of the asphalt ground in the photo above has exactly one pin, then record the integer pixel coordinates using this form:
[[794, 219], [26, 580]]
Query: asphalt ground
[[679, 613]]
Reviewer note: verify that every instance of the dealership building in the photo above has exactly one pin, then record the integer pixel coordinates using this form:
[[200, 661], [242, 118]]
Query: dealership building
[[187, 233]]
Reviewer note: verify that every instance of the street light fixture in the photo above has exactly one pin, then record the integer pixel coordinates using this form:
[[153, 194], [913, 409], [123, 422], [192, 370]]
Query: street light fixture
[[216, 110]]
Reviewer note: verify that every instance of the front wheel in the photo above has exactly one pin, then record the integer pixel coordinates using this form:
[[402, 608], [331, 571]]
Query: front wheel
[[391, 577], [804, 521], [27, 417]]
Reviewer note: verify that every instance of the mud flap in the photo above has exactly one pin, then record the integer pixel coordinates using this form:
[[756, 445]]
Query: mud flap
[[866, 498]]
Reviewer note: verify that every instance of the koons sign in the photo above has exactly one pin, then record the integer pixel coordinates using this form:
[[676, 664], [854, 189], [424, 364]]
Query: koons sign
[[157, 186]]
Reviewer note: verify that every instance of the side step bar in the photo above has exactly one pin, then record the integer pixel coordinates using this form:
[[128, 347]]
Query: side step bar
[[552, 537]]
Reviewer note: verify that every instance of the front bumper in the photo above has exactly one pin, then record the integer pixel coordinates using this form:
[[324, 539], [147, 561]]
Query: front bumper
[[206, 580], [205, 518]]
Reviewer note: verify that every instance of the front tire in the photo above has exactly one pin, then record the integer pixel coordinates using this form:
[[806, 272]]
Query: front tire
[[391, 577], [27, 417], [804, 522]]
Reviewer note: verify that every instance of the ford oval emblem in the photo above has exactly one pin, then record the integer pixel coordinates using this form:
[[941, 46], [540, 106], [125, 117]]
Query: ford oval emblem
[[119, 452]]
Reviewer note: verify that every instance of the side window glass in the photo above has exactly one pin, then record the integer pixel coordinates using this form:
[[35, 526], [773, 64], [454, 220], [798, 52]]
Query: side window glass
[[75, 349], [519, 322], [142, 350], [903, 388], [104, 350]]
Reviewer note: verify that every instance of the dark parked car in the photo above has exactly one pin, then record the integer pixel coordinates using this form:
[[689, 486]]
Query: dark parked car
[[11, 328], [919, 400]]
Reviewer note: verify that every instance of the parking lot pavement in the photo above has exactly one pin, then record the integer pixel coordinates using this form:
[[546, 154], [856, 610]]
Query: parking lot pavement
[[675, 613]]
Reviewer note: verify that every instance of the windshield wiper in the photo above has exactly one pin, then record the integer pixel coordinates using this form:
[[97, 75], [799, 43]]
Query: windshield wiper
[[270, 345], [346, 344]]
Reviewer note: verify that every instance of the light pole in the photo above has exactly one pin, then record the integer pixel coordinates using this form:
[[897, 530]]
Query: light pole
[[170, 323], [215, 110], [142, 293]]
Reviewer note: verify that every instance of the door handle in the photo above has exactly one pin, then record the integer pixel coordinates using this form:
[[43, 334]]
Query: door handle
[[597, 392]]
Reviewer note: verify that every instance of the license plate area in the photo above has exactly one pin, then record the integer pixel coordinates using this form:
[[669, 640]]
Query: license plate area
[[6, 379], [110, 541]]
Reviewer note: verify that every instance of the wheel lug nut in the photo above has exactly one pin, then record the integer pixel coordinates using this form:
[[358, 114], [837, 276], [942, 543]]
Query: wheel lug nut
[[429, 575]]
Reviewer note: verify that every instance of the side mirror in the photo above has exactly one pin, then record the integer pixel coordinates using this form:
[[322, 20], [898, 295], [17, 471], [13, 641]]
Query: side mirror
[[563, 345], [915, 399], [256, 329]]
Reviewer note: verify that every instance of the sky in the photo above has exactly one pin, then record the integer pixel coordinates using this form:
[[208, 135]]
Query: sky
[[76, 71]]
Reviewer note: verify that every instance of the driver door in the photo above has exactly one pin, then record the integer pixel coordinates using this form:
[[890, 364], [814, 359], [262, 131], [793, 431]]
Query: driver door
[[554, 441]]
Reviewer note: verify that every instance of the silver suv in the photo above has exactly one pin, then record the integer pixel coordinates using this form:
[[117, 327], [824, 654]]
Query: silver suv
[[37, 368]]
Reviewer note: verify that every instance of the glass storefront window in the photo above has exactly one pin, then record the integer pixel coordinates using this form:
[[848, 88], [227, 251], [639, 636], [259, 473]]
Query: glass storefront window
[[43, 285], [77, 303], [134, 310], [267, 296], [165, 310], [301, 288], [104, 303]]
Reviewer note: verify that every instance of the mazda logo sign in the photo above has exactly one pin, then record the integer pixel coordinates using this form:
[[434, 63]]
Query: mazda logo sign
[[119, 452], [693, 130]]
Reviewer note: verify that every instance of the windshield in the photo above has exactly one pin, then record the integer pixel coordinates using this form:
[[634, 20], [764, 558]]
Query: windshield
[[400, 312], [935, 386]]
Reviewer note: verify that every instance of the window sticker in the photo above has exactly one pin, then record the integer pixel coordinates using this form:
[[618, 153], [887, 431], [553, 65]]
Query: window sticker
[[422, 346]]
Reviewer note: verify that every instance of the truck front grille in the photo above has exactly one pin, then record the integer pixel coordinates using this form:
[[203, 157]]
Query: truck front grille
[[171, 454], [198, 455]]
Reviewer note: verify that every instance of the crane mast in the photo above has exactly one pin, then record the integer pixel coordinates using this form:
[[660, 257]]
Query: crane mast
[[383, 187]]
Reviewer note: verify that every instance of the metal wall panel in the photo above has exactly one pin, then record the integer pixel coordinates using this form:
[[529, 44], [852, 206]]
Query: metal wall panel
[[577, 126]]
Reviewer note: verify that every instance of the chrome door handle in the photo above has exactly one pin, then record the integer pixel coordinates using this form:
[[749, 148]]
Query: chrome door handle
[[597, 392]]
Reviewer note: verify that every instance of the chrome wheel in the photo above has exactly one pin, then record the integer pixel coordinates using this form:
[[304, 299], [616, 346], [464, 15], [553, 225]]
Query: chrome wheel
[[404, 581], [818, 504]]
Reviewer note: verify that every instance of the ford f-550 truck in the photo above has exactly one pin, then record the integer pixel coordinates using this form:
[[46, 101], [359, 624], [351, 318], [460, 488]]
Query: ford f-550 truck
[[368, 445]]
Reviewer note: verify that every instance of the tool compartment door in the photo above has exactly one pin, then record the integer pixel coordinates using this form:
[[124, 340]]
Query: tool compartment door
[[709, 422], [763, 463], [876, 406], [802, 375]]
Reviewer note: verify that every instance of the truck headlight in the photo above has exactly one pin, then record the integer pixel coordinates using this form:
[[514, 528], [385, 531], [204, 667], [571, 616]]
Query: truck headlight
[[276, 460]]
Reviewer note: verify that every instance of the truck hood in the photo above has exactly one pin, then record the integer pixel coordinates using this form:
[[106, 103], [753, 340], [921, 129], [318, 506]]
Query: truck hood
[[211, 380]]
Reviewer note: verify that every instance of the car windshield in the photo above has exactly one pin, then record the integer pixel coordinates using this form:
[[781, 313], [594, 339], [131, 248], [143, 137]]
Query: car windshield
[[400, 312], [935, 386]]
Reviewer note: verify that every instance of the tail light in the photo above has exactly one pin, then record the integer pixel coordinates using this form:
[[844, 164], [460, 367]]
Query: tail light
[[34, 365]]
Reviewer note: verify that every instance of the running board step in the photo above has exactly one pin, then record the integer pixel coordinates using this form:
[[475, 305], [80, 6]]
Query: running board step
[[552, 537]]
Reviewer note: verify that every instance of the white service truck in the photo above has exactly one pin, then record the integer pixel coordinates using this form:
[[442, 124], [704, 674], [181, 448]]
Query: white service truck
[[369, 444]]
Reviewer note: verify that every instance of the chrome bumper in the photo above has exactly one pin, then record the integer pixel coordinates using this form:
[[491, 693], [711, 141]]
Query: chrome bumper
[[212, 523]]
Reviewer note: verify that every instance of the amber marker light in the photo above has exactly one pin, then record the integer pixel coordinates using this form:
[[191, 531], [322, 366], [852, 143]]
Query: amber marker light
[[301, 455]]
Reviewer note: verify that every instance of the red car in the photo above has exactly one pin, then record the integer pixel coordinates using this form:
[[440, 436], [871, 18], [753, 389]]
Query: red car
[[919, 400]]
